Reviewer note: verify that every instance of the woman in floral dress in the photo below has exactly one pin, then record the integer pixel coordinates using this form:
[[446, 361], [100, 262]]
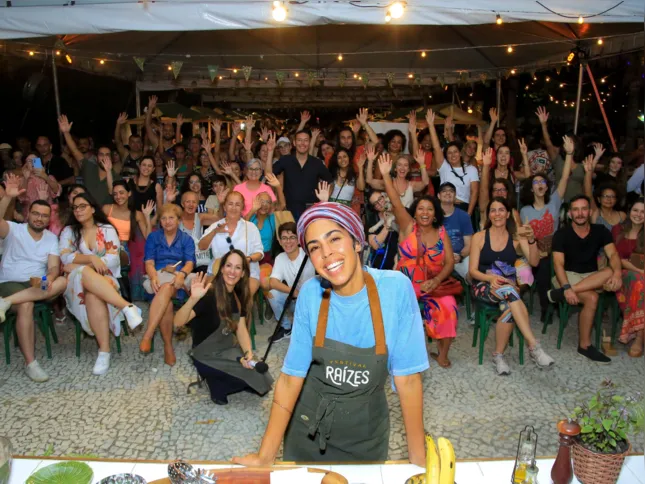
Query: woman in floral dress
[[89, 250], [425, 256]]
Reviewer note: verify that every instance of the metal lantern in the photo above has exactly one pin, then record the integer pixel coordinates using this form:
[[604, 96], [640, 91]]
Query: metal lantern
[[525, 457]]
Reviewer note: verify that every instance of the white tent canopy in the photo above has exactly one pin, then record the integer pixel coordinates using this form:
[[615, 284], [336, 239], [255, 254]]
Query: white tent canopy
[[33, 18]]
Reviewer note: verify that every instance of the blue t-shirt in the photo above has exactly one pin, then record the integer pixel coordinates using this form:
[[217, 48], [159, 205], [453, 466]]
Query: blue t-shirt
[[350, 322], [266, 232], [457, 226], [157, 249]]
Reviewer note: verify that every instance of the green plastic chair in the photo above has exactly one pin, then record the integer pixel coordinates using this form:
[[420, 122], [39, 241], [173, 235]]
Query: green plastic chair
[[80, 333], [260, 302], [609, 301], [467, 294], [44, 321], [485, 316]]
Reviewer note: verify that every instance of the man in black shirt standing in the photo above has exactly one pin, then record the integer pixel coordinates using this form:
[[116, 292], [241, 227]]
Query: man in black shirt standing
[[54, 165], [577, 278], [302, 172]]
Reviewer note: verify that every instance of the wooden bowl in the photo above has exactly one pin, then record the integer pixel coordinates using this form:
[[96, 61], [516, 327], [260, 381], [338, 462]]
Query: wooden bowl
[[260, 475]]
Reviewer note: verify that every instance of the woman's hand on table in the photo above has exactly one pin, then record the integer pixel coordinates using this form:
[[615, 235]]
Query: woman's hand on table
[[253, 460]]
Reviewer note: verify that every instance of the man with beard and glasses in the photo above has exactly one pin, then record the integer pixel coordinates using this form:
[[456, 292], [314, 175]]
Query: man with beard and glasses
[[577, 278], [30, 252]]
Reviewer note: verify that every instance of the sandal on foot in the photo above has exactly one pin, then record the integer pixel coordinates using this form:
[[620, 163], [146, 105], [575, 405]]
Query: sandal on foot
[[145, 346], [445, 364]]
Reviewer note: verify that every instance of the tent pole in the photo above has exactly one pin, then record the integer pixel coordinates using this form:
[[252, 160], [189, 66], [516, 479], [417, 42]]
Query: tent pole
[[56, 94], [602, 108], [499, 97], [137, 98], [578, 96]]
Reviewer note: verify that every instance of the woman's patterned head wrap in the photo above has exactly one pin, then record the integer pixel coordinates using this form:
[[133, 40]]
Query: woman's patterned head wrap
[[336, 212]]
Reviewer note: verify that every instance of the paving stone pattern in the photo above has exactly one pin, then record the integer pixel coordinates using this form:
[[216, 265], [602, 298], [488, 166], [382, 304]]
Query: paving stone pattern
[[141, 410]]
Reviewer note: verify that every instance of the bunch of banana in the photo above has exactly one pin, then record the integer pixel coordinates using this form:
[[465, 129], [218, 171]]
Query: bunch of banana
[[440, 465]]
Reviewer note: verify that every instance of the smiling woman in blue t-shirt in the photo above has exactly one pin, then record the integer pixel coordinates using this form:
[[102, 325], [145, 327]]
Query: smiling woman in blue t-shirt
[[352, 327]]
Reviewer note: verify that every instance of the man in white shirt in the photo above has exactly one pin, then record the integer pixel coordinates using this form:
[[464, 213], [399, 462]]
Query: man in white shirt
[[283, 276], [30, 252]]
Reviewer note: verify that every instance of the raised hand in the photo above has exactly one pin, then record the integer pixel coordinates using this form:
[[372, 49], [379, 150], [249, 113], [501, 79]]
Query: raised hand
[[198, 286], [123, 117], [412, 122], [355, 125], [43, 191], [222, 196], [420, 158], [362, 116], [488, 156], [599, 150], [257, 204], [314, 134], [107, 164], [568, 145], [152, 103], [148, 208], [247, 144], [64, 125], [12, 186], [272, 180], [271, 142], [430, 117], [542, 114], [217, 125], [264, 134], [494, 116], [361, 161], [589, 164], [180, 119], [305, 116], [322, 192], [237, 128], [370, 152], [171, 194], [385, 164], [523, 148], [171, 168], [249, 123]]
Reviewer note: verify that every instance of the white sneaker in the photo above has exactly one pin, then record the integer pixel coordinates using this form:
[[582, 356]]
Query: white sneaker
[[36, 373], [133, 315], [500, 364], [4, 307], [539, 356], [102, 364]]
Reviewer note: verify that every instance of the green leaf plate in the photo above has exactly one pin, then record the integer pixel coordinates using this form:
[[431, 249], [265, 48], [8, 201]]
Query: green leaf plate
[[63, 473]]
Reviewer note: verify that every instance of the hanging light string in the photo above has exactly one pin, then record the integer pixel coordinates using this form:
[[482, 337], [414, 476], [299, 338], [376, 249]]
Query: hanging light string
[[569, 42], [579, 16]]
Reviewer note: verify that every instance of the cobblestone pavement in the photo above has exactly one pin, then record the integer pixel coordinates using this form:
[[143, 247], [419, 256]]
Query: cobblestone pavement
[[141, 410]]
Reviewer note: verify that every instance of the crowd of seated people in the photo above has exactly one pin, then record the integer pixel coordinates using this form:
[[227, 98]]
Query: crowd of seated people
[[158, 213]]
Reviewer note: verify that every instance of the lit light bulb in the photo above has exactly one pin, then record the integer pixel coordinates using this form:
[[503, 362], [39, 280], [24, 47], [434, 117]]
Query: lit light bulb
[[220, 78], [470, 110], [513, 71], [602, 80], [526, 88], [509, 49], [68, 58], [534, 78], [548, 79], [102, 62], [266, 78], [296, 74], [499, 20], [58, 52], [561, 84], [31, 52], [388, 17], [423, 54], [170, 68], [340, 57], [279, 12], [410, 76], [397, 9], [581, 20], [234, 71], [600, 41], [557, 102], [550, 98], [445, 88], [470, 95]]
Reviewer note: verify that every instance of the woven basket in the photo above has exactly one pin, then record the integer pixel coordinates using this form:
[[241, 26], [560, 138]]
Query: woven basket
[[595, 468]]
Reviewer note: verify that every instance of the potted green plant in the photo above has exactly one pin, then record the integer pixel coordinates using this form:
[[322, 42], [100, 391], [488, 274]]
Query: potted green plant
[[605, 422]]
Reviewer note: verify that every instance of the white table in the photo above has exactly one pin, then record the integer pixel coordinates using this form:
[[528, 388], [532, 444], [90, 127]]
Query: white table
[[468, 472]]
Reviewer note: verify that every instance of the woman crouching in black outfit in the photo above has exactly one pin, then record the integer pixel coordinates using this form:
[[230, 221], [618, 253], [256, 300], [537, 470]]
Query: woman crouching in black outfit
[[217, 313]]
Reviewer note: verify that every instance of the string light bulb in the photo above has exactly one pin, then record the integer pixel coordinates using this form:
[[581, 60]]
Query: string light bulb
[[600, 41], [602, 80], [102, 61], [234, 71], [31, 52], [355, 76], [340, 57], [470, 110], [499, 20], [296, 74], [68, 58], [509, 49], [170, 68], [220, 78], [58, 52], [410, 76], [561, 85], [513, 71], [279, 12], [581, 20], [397, 9], [388, 17], [423, 54], [548, 79]]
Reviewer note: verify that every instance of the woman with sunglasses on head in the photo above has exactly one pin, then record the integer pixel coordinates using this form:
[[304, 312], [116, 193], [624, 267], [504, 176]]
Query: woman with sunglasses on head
[[492, 259], [352, 328], [604, 200], [451, 168], [541, 210], [217, 312], [233, 232], [89, 250], [252, 187], [169, 259]]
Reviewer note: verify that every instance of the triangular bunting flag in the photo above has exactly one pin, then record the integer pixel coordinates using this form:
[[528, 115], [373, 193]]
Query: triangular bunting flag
[[212, 72], [390, 78], [417, 79], [139, 61], [279, 77], [247, 72], [342, 77], [365, 79], [311, 78], [176, 67], [59, 45]]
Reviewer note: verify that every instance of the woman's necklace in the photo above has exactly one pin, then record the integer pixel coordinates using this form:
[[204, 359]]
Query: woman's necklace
[[396, 187], [501, 174], [144, 189]]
